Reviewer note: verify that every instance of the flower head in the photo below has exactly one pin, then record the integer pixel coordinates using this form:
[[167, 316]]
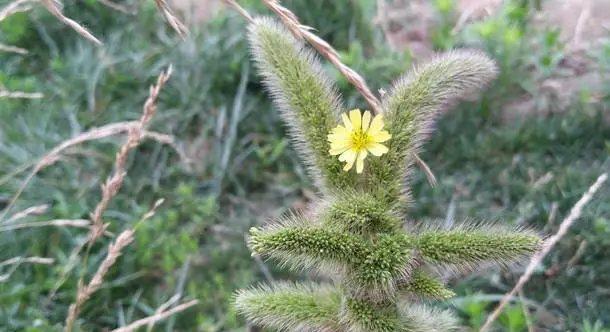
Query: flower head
[[358, 136]]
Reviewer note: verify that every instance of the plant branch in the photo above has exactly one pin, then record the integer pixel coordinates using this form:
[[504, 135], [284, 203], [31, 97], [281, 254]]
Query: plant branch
[[54, 7], [156, 317], [574, 214]]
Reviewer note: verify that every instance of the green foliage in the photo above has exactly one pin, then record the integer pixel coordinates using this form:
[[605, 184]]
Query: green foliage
[[352, 234], [587, 326], [487, 167], [170, 238]]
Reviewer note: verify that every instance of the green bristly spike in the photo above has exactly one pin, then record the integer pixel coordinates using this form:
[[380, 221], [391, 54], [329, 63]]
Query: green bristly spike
[[422, 318], [355, 232], [375, 266], [361, 213], [291, 307], [388, 260], [413, 105], [363, 315], [465, 247], [426, 286], [307, 100], [302, 246]]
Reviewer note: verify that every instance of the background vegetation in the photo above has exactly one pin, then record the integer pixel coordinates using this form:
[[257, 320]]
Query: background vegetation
[[237, 169]]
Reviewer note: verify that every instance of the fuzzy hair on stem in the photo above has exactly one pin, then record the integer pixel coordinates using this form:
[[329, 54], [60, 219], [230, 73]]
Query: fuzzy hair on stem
[[307, 100], [412, 106], [354, 233], [292, 307]]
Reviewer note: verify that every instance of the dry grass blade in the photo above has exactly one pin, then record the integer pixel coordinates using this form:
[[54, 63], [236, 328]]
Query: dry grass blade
[[171, 18], [31, 211], [119, 8], [53, 6], [424, 167], [20, 94], [163, 307], [574, 214], [239, 9], [91, 135], [79, 223], [300, 31], [15, 7], [109, 189], [85, 292], [156, 317], [15, 262], [135, 135], [13, 49], [31, 260]]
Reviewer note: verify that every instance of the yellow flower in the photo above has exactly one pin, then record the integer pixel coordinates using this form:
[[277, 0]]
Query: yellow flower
[[358, 136]]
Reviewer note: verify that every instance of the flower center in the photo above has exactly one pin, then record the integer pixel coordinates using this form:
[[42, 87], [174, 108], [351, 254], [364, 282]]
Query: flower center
[[360, 139]]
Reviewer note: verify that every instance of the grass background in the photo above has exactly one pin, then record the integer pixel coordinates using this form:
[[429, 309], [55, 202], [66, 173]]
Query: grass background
[[241, 171]]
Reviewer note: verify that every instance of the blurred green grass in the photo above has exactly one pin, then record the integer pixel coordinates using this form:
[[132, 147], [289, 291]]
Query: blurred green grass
[[242, 171]]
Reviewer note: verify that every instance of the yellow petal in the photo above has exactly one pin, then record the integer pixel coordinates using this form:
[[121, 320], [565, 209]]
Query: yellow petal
[[349, 157], [340, 130], [376, 125], [339, 142], [338, 138], [377, 149], [381, 136], [366, 120], [339, 145], [337, 150], [356, 118], [347, 122], [360, 161]]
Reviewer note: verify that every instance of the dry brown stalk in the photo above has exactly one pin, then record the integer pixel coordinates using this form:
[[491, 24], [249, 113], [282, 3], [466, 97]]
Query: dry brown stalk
[[117, 7], [110, 188], [15, 262], [32, 260], [156, 317], [171, 18], [300, 31], [239, 9], [135, 135], [85, 292], [163, 307], [80, 223], [94, 134], [13, 49], [15, 7], [54, 7], [20, 94], [574, 214], [32, 210], [426, 169]]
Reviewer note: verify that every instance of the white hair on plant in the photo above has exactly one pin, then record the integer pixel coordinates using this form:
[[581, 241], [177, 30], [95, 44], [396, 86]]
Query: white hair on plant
[[300, 89], [355, 232], [415, 101], [290, 306]]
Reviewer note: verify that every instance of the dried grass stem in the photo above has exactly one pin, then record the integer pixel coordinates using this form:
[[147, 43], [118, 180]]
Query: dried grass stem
[[574, 214]]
